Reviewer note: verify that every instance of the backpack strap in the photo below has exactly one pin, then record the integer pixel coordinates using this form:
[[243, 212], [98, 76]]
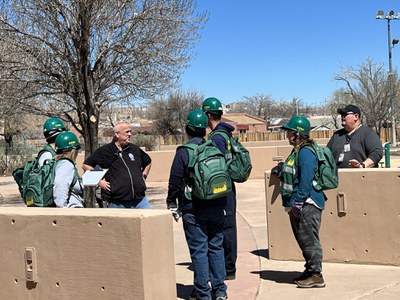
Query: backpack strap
[[227, 136], [46, 148], [192, 151], [49, 149]]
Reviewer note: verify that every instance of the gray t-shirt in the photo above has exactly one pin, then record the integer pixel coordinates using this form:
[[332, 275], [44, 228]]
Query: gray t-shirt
[[361, 144]]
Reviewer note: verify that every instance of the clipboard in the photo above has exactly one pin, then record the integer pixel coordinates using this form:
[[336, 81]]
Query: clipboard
[[92, 177]]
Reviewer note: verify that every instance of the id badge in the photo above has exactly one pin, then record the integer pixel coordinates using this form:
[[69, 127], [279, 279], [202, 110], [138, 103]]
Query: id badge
[[346, 148], [341, 157]]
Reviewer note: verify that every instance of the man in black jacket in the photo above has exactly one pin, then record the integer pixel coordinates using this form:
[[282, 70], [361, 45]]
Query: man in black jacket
[[128, 166]]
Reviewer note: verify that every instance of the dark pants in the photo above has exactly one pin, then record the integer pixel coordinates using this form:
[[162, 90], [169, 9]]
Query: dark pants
[[203, 232], [230, 235], [306, 232]]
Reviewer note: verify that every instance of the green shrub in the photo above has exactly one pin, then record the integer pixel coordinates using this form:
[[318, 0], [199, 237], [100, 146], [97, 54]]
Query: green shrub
[[149, 142]]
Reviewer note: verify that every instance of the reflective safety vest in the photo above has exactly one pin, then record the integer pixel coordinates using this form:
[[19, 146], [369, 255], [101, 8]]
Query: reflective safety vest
[[288, 174]]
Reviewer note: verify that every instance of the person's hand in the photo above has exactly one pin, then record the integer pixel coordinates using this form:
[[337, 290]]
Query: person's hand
[[104, 185], [277, 170], [354, 163], [176, 213], [297, 207]]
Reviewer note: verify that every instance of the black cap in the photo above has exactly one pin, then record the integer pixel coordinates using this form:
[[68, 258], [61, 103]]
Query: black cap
[[349, 109]]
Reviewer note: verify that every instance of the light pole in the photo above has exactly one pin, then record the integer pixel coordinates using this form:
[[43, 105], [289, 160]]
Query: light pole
[[390, 16]]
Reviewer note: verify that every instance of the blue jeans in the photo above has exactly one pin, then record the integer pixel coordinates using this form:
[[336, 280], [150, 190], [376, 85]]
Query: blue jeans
[[143, 203], [204, 236]]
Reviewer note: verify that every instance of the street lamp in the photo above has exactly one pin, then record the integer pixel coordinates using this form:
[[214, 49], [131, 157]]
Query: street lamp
[[390, 16]]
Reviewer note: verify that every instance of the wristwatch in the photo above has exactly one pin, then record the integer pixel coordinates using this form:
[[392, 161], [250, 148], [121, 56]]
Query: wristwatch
[[362, 165]]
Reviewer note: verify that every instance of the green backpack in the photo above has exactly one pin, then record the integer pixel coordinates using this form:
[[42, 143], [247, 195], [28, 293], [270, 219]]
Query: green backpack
[[21, 175], [239, 163], [38, 190], [208, 172], [326, 176]]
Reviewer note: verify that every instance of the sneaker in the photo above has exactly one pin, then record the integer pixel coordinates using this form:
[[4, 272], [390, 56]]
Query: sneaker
[[302, 276], [312, 281]]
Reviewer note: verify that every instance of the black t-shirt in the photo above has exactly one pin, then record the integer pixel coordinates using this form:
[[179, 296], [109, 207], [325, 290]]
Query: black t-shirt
[[125, 170]]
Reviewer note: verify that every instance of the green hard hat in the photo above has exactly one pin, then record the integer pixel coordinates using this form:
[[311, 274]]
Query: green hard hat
[[52, 127], [299, 124], [212, 104], [65, 141], [197, 118]]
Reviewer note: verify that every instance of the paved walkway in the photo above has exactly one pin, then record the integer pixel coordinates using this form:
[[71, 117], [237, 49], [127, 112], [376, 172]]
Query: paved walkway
[[257, 277]]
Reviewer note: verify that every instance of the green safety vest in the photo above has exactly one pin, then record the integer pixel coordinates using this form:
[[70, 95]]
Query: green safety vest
[[288, 174]]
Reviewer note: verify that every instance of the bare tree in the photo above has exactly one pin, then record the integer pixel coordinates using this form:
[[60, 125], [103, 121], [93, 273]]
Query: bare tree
[[260, 105], [78, 56], [339, 98], [369, 87], [169, 114]]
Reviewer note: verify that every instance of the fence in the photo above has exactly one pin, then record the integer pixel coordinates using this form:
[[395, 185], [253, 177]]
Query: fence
[[250, 137]]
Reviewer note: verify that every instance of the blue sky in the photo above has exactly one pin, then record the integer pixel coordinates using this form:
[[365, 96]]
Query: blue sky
[[287, 49]]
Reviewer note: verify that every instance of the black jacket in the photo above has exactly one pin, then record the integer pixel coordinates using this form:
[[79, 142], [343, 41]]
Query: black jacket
[[125, 170]]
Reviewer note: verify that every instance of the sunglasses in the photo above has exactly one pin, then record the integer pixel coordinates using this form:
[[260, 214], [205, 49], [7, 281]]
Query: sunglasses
[[346, 114]]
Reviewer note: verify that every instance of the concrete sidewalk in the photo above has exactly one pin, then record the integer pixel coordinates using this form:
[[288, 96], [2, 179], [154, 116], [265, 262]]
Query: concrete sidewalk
[[257, 277]]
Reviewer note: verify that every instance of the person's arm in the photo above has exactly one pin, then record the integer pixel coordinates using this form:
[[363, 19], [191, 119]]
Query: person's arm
[[367, 163], [176, 177], [374, 150], [219, 142], [146, 163], [146, 171], [307, 162], [96, 159], [43, 157], [87, 167]]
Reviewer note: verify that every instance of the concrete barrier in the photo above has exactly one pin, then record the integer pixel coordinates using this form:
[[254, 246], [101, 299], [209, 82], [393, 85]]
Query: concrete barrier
[[360, 223], [50, 253]]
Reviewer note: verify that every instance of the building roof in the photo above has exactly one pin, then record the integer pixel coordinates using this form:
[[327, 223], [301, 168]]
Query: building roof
[[323, 122], [242, 118]]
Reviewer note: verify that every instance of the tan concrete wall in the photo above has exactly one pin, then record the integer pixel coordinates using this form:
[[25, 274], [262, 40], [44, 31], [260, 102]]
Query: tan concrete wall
[[360, 223], [262, 157], [87, 254]]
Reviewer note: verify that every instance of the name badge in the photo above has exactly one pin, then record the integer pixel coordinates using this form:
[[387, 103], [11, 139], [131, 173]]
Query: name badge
[[341, 157], [346, 148]]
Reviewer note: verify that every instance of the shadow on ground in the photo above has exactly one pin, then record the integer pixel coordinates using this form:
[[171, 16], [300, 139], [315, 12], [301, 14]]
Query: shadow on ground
[[261, 252], [278, 276]]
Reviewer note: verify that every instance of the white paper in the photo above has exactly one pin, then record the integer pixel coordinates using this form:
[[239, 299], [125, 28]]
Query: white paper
[[92, 178]]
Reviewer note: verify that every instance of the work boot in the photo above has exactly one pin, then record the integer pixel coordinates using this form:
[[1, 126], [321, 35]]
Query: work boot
[[312, 281], [302, 276]]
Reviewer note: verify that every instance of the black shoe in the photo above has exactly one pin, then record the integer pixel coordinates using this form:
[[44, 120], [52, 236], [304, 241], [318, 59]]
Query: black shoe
[[193, 295], [230, 276]]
